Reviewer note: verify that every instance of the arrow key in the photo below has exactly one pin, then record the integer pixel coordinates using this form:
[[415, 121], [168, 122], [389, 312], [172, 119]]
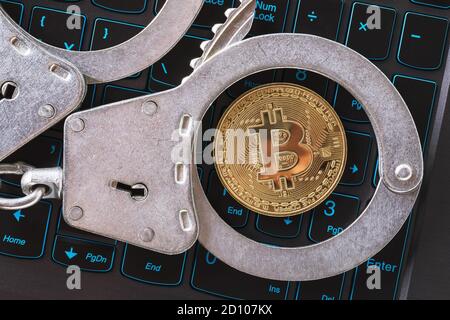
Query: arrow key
[[279, 227], [359, 146], [23, 232], [88, 255]]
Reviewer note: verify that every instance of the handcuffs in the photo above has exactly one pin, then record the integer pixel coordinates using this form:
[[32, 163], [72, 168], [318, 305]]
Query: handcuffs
[[131, 142]]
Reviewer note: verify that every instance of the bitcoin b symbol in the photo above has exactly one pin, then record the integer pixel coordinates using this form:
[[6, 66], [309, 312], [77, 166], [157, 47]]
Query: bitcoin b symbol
[[294, 150], [284, 155]]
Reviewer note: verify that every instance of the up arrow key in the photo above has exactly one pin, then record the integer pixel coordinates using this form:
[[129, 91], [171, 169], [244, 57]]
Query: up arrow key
[[71, 254], [18, 215]]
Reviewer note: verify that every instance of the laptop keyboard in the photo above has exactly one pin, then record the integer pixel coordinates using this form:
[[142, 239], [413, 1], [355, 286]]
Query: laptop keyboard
[[410, 48]]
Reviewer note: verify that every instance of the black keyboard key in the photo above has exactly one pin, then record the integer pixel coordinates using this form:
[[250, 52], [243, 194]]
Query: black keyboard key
[[423, 41], [270, 16], [50, 26], [213, 12], [374, 44], [64, 229], [42, 152], [250, 82], [308, 79], [389, 260], [14, 9], [114, 94], [321, 18], [172, 68], [152, 267], [348, 108], [213, 276], [419, 95], [229, 209], [88, 255], [443, 4], [376, 174], [218, 109], [128, 6], [288, 227], [359, 145], [23, 233], [324, 289], [109, 33], [332, 216]]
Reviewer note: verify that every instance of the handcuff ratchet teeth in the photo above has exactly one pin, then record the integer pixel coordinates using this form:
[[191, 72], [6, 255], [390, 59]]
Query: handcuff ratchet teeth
[[134, 148], [47, 83]]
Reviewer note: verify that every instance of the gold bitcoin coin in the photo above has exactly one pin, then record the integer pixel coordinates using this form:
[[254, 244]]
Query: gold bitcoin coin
[[280, 149]]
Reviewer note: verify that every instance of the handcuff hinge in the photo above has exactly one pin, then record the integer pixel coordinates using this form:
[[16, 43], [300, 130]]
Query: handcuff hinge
[[37, 184]]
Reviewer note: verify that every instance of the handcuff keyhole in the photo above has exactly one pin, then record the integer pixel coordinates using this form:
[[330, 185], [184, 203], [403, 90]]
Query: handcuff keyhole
[[138, 192], [9, 91]]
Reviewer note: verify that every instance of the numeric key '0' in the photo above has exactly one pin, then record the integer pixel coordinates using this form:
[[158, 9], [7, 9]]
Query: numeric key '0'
[[213, 276]]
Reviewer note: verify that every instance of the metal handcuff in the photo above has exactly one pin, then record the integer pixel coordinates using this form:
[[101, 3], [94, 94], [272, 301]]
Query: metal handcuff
[[132, 141], [51, 82]]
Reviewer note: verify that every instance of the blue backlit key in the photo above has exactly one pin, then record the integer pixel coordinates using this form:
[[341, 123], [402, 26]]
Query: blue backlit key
[[14, 9], [359, 146], [213, 12], [321, 18], [308, 79], [151, 267], [23, 233], [288, 227], [324, 289], [114, 94], [128, 6], [423, 41], [250, 82], [270, 16], [348, 108], [213, 276], [88, 255], [109, 33], [389, 261], [419, 95], [229, 209], [171, 69], [50, 26], [443, 4], [332, 216], [42, 152], [374, 42]]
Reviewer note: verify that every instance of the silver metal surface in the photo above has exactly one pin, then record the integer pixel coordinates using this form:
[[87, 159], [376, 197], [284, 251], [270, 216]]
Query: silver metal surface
[[22, 202], [41, 79], [236, 27], [129, 148], [141, 51], [132, 147], [171, 226], [51, 178], [398, 144]]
